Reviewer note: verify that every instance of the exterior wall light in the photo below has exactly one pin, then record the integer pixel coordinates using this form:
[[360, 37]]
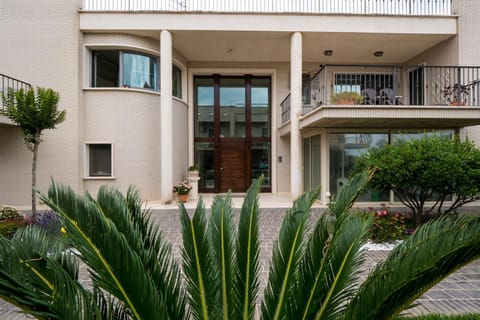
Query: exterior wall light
[[328, 52], [378, 53]]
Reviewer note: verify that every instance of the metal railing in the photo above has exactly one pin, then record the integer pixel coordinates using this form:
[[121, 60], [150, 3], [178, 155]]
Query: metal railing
[[390, 85], [7, 82], [377, 7]]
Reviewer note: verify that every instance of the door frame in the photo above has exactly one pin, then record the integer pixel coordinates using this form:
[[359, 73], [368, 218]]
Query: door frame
[[273, 114]]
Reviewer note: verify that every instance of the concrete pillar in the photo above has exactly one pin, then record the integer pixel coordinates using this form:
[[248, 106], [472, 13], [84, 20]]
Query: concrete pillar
[[166, 117], [296, 152]]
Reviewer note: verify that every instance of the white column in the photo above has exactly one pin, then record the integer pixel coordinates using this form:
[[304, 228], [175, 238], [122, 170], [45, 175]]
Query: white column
[[296, 152], [166, 117]]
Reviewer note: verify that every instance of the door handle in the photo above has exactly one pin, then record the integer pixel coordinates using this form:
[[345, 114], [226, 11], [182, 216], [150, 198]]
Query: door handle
[[221, 169]]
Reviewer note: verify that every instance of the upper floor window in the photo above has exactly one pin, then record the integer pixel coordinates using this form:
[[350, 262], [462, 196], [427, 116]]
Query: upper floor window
[[115, 68]]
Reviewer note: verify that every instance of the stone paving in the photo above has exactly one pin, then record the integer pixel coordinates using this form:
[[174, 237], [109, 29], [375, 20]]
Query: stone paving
[[459, 293]]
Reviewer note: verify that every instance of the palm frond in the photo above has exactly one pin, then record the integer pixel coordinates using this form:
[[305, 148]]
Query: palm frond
[[287, 252], [222, 242], [147, 241], [328, 268], [42, 279], [198, 265], [247, 251], [339, 273], [435, 250], [107, 252], [349, 193]]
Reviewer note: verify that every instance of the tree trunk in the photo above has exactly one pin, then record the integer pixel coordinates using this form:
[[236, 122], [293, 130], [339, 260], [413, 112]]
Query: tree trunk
[[34, 178], [418, 217]]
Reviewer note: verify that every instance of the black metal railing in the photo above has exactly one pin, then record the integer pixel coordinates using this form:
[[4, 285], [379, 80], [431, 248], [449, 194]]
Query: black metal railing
[[7, 82], [390, 85]]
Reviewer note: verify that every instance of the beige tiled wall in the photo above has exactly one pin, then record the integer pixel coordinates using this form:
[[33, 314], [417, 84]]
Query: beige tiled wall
[[39, 43]]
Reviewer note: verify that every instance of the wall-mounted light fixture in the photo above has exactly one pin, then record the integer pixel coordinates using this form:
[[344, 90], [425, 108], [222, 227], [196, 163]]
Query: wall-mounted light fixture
[[328, 53], [378, 53]]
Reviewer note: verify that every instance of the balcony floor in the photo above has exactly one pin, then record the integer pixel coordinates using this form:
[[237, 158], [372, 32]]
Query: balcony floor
[[404, 116]]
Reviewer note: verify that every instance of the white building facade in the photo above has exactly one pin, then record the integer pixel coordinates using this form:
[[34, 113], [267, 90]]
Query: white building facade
[[241, 88]]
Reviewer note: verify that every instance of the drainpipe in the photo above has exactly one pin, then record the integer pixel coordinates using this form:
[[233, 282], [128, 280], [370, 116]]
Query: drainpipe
[[296, 152], [166, 118]]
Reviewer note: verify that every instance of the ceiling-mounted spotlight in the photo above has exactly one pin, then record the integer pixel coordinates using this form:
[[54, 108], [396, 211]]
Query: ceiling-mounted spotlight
[[378, 53], [328, 52]]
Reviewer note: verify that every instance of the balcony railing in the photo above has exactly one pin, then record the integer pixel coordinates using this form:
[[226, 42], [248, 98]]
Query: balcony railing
[[7, 82], [390, 85], [364, 7]]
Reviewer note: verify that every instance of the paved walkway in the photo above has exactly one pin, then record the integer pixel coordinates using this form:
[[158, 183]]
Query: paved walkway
[[459, 293]]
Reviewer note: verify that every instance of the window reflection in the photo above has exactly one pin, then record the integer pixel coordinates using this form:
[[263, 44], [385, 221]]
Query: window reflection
[[139, 71], [344, 149]]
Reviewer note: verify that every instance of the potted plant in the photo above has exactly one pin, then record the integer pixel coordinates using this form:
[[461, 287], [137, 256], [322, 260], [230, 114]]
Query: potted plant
[[347, 97], [193, 171], [182, 189]]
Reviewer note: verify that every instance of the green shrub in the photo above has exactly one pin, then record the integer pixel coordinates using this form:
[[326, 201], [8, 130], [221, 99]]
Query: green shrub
[[388, 225], [10, 226]]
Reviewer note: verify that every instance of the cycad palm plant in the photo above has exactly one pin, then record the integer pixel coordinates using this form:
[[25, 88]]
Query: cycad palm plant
[[314, 271]]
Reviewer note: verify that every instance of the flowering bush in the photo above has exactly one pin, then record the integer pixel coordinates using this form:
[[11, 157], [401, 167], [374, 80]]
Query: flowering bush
[[49, 222], [10, 221], [388, 225], [182, 188]]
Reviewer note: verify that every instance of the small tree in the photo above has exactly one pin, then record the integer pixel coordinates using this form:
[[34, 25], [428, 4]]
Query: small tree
[[33, 112], [427, 170]]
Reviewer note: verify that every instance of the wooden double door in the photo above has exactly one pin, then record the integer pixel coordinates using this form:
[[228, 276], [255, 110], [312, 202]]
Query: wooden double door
[[232, 131]]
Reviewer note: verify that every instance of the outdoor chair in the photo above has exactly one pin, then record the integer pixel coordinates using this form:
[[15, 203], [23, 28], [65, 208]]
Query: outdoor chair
[[387, 96], [370, 96]]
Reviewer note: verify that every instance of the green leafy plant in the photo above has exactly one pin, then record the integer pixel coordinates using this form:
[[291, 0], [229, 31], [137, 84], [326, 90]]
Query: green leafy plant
[[193, 167], [347, 97], [34, 111], [425, 173], [313, 274], [8, 227]]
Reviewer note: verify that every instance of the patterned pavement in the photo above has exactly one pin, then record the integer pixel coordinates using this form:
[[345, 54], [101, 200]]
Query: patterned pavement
[[459, 293]]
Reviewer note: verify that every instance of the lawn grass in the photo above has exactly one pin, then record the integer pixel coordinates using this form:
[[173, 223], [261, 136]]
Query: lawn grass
[[469, 316]]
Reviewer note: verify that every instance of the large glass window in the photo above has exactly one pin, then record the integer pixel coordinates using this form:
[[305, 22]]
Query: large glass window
[[116, 68], [260, 164], [205, 158], [260, 107], [344, 149], [232, 107], [204, 113], [139, 71]]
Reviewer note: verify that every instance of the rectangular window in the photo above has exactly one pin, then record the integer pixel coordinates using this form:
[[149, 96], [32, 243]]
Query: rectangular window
[[106, 67], [99, 157], [177, 82]]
